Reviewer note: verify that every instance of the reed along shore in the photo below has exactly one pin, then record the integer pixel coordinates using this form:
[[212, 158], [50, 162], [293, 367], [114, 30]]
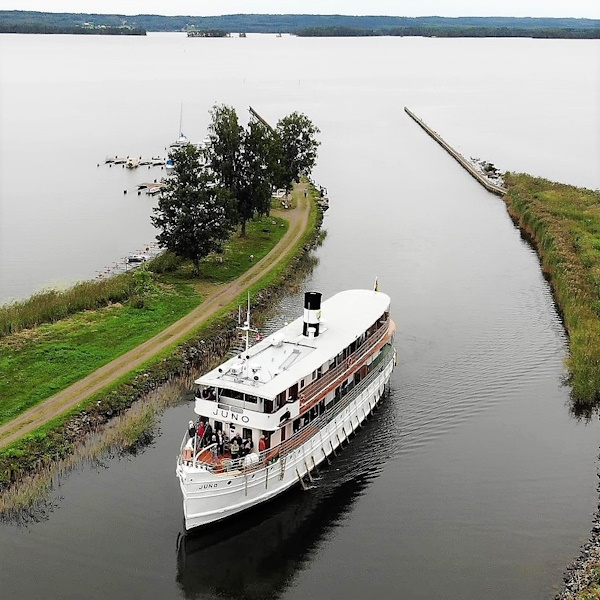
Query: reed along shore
[[563, 223]]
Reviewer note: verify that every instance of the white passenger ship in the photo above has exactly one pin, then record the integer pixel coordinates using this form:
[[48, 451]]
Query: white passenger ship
[[297, 395]]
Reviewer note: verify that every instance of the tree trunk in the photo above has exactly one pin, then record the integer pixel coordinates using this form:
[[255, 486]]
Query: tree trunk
[[243, 232], [196, 263]]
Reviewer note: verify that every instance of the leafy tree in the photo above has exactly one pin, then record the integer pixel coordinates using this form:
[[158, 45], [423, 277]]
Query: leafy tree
[[257, 176], [297, 149], [225, 148], [193, 214], [241, 160], [250, 162]]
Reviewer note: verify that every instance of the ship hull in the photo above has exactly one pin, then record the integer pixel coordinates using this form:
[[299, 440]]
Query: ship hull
[[209, 497]]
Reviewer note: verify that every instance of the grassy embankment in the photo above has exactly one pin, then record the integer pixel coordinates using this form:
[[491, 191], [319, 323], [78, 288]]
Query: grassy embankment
[[564, 223], [55, 441], [36, 363]]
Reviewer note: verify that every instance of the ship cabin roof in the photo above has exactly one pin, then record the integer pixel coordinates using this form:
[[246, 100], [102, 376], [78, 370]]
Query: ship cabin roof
[[285, 357]]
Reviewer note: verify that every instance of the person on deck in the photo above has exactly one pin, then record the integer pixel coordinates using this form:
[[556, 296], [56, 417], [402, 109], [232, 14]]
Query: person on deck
[[200, 431], [262, 444], [248, 445], [235, 448], [207, 433], [191, 429]]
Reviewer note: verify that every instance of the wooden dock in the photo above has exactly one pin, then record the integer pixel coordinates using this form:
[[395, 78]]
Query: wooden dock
[[482, 179], [134, 162]]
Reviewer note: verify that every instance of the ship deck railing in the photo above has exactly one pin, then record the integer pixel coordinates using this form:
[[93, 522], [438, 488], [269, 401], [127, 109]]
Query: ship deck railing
[[223, 464], [353, 362]]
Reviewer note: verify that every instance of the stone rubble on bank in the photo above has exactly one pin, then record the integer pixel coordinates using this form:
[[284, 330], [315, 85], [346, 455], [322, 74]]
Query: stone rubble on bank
[[488, 170], [582, 572]]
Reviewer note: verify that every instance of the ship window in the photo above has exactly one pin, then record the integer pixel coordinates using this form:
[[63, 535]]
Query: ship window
[[301, 383], [246, 433], [218, 426], [280, 400], [252, 399], [293, 393]]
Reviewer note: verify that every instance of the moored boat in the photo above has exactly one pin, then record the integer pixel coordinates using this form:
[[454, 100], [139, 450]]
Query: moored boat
[[275, 411], [181, 142]]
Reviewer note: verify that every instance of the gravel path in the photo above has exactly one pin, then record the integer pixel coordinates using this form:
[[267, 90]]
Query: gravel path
[[219, 296]]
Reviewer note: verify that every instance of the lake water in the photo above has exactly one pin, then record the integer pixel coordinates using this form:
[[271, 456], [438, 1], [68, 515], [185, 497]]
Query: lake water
[[473, 480]]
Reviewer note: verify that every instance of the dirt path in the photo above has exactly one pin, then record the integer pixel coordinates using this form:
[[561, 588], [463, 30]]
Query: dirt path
[[220, 296]]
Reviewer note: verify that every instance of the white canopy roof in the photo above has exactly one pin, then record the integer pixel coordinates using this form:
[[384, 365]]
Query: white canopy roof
[[285, 357]]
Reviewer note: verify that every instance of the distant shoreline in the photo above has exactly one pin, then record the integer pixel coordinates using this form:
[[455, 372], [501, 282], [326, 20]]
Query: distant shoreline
[[442, 32], [303, 25], [330, 32], [49, 29]]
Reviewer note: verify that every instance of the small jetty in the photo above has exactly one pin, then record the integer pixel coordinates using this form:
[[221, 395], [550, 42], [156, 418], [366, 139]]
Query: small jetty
[[472, 169], [208, 33], [133, 162], [131, 261], [151, 187]]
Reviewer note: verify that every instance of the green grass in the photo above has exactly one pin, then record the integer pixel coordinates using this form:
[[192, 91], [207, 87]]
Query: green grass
[[261, 235], [39, 362], [36, 364], [564, 222]]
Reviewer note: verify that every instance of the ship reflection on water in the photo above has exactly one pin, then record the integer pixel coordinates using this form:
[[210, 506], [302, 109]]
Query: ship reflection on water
[[241, 561], [255, 555]]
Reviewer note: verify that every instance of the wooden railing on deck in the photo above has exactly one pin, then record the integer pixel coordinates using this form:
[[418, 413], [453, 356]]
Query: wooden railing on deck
[[311, 392]]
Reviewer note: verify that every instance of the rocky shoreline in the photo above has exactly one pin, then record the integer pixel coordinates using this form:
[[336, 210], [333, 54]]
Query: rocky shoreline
[[582, 576]]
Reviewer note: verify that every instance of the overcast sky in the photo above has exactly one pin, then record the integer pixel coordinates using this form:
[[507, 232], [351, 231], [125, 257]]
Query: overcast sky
[[410, 8]]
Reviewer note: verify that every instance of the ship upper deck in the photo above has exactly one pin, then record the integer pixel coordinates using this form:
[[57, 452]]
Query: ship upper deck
[[286, 356]]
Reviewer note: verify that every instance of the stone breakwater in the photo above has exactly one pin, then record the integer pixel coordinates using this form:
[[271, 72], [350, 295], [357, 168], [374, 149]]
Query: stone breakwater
[[584, 572], [480, 175]]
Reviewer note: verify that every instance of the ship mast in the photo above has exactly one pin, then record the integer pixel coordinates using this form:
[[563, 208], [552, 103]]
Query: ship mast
[[246, 326]]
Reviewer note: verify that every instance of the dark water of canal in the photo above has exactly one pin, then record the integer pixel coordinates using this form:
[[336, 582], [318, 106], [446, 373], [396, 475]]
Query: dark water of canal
[[473, 479]]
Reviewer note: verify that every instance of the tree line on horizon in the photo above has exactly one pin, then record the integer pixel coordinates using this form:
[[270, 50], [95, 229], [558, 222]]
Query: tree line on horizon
[[42, 28], [360, 25], [454, 32]]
